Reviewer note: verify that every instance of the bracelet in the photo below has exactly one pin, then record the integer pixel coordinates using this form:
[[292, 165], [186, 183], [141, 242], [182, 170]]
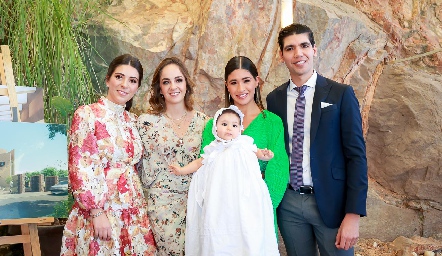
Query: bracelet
[[97, 214]]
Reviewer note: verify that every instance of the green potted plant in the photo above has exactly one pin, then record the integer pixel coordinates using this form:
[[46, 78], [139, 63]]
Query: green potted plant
[[49, 49]]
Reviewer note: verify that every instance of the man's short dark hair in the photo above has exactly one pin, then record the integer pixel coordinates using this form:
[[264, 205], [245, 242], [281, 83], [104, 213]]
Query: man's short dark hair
[[293, 29]]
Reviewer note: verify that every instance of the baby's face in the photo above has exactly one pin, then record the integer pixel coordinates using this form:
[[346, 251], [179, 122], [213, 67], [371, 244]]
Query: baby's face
[[228, 126]]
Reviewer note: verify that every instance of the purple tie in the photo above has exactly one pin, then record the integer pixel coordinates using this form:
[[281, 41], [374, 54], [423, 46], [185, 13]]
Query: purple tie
[[298, 140]]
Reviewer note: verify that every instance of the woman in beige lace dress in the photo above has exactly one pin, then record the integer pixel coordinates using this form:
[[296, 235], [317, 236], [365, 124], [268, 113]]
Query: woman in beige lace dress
[[171, 132]]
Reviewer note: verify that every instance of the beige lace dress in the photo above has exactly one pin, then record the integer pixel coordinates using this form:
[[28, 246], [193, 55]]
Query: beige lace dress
[[165, 192]]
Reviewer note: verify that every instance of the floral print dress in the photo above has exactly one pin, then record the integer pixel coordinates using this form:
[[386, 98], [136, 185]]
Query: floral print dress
[[166, 193], [103, 150]]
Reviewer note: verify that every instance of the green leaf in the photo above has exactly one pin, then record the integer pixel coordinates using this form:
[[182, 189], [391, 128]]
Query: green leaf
[[62, 105]]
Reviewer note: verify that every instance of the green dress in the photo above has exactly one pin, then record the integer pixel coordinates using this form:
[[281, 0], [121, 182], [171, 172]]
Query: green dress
[[267, 131]]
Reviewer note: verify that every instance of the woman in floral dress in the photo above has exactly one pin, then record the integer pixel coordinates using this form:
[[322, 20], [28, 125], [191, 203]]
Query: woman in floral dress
[[109, 216], [171, 133]]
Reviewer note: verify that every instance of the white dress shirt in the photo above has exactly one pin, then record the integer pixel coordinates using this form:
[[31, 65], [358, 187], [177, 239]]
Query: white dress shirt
[[292, 95]]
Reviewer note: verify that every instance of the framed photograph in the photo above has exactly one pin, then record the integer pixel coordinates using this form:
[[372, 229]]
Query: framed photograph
[[33, 169]]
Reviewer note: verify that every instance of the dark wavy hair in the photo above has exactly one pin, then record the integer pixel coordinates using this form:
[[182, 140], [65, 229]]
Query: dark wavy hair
[[126, 59], [295, 29], [241, 62], [156, 101]]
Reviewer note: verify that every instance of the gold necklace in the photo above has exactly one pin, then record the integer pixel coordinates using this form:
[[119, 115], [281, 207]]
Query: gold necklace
[[178, 121]]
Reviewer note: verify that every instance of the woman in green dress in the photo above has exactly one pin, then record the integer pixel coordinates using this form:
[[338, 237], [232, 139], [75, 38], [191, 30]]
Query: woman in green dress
[[242, 90]]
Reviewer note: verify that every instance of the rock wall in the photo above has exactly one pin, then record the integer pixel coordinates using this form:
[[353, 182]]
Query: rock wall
[[380, 47]]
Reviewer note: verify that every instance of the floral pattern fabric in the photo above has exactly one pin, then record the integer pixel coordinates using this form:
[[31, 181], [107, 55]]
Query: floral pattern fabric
[[165, 192], [103, 150]]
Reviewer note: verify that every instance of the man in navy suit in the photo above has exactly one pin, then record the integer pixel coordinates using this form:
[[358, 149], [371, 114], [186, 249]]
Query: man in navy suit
[[324, 212]]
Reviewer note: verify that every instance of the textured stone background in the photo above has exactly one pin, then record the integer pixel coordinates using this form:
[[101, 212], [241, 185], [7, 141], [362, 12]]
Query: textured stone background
[[360, 42]]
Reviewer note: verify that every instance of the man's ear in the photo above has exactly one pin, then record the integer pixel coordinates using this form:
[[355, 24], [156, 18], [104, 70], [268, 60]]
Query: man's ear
[[315, 51], [280, 56]]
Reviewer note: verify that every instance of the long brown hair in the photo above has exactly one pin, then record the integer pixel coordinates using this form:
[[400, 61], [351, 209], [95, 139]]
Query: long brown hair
[[156, 101], [242, 62]]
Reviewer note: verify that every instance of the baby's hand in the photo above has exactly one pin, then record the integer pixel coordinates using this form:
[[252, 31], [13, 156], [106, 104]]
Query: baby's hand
[[175, 169], [266, 154]]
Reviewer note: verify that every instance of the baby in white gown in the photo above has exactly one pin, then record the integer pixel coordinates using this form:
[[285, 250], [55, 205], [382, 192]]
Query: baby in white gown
[[229, 211]]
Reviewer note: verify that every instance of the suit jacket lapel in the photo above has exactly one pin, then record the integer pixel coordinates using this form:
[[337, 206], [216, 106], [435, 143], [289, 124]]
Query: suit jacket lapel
[[282, 108], [283, 98], [321, 92]]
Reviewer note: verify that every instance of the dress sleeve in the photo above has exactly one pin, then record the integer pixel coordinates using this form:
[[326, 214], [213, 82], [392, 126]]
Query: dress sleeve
[[208, 136], [276, 172], [86, 170], [145, 173]]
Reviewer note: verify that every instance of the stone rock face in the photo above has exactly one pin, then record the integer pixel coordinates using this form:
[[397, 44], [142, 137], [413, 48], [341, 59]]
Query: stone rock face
[[418, 245], [401, 246], [404, 144], [387, 215], [413, 27], [362, 43]]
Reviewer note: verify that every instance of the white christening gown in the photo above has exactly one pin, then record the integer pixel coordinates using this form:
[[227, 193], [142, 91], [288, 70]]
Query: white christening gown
[[229, 211]]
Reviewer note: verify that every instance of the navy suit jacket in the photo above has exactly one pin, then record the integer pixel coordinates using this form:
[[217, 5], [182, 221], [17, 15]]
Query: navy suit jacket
[[337, 148]]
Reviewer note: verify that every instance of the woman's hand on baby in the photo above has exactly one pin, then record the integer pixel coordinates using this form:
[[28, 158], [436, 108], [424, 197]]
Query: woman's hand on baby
[[175, 169]]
